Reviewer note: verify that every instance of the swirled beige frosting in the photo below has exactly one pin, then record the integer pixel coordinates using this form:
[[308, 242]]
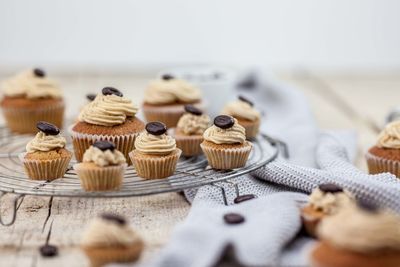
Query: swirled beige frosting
[[241, 109], [193, 124], [43, 142], [147, 143], [108, 110], [29, 85], [390, 136], [104, 233], [103, 158], [234, 135], [357, 230], [329, 203], [171, 91]]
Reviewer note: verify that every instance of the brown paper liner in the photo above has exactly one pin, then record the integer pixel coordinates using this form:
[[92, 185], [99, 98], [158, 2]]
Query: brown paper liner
[[251, 127], [226, 158], [155, 167], [190, 145], [310, 219], [378, 165], [24, 119], [100, 178], [50, 169]]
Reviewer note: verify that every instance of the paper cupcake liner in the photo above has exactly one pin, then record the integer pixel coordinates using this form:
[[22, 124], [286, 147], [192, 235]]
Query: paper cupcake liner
[[310, 223], [101, 178], [189, 144], [156, 167], [23, 120], [378, 165], [226, 158], [252, 129], [81, 142], [45, 169]]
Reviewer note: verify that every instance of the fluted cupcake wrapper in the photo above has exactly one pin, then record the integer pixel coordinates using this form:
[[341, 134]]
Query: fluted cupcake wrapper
[[378, 165], [24, 119], [156, 167], [226, 158], [50, 169], [189, 144], [252, 129], [101, 178]]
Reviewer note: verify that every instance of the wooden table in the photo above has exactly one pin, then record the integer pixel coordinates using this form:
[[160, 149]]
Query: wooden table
[[340, 101]]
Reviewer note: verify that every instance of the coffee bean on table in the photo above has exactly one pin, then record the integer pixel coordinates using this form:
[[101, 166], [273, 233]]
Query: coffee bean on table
[[167, 77], [330, 188], [91, 97], [104, 145], [156, 128], [244, 99], [224, 121], [243, 198], [233, 218], [111, 91], [39, 72], [48, 250], [193, 110], [47, 128], [114, 218]]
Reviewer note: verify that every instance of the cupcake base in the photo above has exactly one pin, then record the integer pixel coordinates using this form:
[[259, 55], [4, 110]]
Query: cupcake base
[[95, 178], [385, 161], [310, 219], [189, 144], [252, 127]]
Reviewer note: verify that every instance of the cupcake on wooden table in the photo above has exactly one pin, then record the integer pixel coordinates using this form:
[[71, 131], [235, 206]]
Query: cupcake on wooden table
[[46, 157], [324, 201], [156, 155], [103, 167], [225, 144], [30, 97], [109, 117], [243, 110], [109, 239], [358, 235], [190, 129], [164, 99]]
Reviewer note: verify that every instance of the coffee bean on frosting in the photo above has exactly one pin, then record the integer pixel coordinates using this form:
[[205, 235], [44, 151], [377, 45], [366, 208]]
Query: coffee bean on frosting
[[167, 77], [114, 218], [156, 128], [330, 188], [243, 198], [193, 110], [104, 145], [224, 121], [233, 218], [368, 206], [244, 99], [48, 251], [91, 97], [47, 128], [39, 72], [111, 91]]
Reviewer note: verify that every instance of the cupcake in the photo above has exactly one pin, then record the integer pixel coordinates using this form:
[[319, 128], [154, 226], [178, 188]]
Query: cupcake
[[46, 157], [156, 154], [102, 167], [247, 116], [385, 155], [189, 131], [225, 145], [164, 99], [109, 117], [109, 239], [325, 200], [358, 235], [30, 97]]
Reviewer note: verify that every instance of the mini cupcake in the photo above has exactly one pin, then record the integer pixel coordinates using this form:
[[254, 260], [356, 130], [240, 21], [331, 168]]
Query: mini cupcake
[[30, 97], [190, 129], [385, 155], [103, 167], [156, 154], [46, 157], [164, 99], [225, 144], [247, 116], [109, 117], [325, 200], [109, 239], [358, 235]]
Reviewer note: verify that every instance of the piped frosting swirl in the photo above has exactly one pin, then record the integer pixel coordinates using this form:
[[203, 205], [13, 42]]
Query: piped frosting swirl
[[329, 203], [233, 135], [241, 109], [103, 158], [43, 142], [390, 136], [191, 124], [147, 143]]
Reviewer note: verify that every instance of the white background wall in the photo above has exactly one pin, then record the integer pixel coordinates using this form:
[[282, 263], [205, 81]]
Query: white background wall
[[327, 34]]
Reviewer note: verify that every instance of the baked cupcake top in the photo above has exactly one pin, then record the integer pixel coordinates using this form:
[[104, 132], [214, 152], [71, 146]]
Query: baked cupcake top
[[390, 136], [193, 121], [109, 230], [32, 84], [169, 90], [329, 198], [48, 138], [108, 109], [103, 153], [226, 130], [242, 108], [362, 228], [154, 141]]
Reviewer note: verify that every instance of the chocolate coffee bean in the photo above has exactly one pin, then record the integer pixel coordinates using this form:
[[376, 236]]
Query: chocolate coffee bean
[[48, 251], [330, 188], [243, 198], [244, 99], [111, 91], [167, 77], [156, 128], [368, 206], [114, 218], [104, 145], [193, 110], [233, 218], [91, 97], [39, 72], [224, 121], [47, 128]]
